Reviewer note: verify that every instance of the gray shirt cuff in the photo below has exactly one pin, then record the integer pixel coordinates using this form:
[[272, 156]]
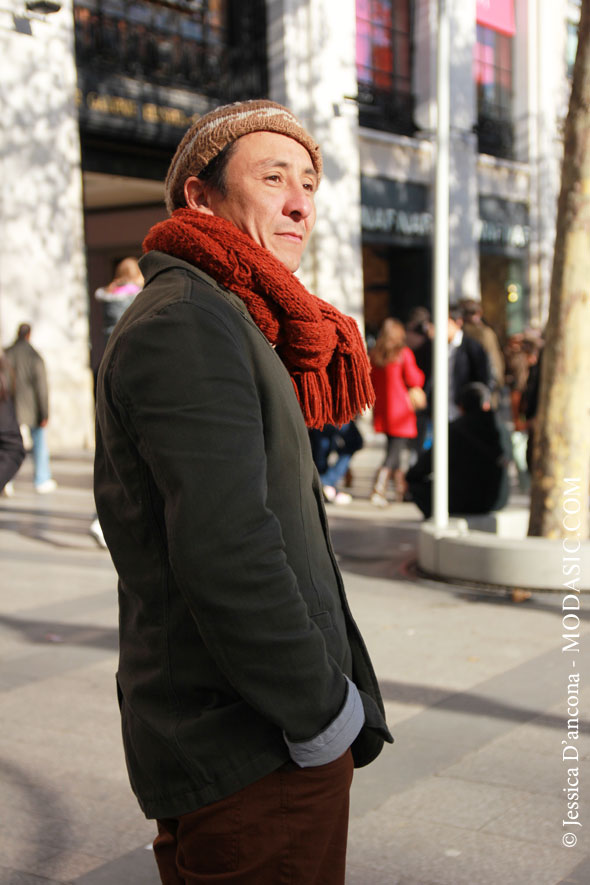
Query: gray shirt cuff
[[334, 740]]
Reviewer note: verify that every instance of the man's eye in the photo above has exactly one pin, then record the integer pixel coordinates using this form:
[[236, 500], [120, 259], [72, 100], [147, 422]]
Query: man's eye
[[273, 177], [309, 187]]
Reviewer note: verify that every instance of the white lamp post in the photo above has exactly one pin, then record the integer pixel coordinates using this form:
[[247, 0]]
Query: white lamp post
[[440, 512]]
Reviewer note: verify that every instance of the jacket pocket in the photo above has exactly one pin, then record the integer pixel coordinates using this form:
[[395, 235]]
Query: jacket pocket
[[323, 620]]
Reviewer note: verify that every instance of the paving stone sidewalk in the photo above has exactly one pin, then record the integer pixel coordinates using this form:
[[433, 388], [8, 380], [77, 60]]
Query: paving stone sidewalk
[[471, 793]]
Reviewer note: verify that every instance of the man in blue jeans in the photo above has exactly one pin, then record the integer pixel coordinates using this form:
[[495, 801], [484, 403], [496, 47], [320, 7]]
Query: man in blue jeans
[[343, 442], [31, 403]]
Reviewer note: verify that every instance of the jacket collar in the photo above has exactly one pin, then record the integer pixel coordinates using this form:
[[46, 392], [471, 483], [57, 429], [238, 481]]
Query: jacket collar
[[154, 263]]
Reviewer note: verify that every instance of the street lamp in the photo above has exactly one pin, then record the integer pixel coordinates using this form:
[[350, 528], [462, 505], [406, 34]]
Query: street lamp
[[440, 446]]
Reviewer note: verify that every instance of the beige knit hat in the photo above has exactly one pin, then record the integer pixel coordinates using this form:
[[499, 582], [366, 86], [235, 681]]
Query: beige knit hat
[[210, 134]]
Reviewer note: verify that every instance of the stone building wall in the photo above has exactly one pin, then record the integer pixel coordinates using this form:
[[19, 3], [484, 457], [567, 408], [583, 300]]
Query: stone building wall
[[42, 265]]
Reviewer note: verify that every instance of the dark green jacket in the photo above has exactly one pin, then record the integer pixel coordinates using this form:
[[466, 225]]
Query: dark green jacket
[[235, 633]]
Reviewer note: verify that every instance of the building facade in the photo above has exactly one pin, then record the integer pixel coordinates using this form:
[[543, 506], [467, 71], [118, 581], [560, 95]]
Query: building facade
[[96, 96]]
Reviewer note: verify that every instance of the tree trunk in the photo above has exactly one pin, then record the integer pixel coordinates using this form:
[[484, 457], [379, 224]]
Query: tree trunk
[[561, 453]]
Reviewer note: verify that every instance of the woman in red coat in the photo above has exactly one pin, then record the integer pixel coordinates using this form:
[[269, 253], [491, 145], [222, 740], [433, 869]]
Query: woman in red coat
[[394, 373]]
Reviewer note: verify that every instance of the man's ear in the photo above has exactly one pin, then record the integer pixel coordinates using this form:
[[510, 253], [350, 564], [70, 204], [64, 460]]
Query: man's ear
[[196, 195]]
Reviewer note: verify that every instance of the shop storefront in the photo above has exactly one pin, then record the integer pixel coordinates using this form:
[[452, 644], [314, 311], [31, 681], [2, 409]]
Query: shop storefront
[[504, 235], [397, 234], [397, 254]]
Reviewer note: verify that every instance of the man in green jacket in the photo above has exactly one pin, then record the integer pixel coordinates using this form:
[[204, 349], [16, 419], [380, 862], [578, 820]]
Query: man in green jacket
[[31, 403], [246, 691]]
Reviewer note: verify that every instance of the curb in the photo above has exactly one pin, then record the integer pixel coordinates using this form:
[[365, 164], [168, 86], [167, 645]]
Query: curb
[[504, 558]]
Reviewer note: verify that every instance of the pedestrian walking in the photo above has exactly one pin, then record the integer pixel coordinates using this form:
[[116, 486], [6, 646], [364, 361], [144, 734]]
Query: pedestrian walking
[[468, 362], [332, 449], [245, 689], [419, 337], [475, 326], [530, 401], [12, 451], [523, 354], [116, 297], [32, 403], [399, 391]]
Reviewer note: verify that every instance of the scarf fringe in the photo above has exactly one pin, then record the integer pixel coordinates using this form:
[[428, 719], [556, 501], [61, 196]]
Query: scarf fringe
[[350, 386], [314, 395]]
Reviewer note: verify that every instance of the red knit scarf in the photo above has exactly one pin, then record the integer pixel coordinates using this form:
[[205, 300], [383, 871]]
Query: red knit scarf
[[321, 347]]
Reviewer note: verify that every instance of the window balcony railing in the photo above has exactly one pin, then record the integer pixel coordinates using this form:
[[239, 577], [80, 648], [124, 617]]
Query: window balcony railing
[[387, 111], [495, 134], [181, 51]]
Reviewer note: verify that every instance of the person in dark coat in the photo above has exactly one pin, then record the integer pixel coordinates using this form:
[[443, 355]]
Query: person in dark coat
[[475, 326], [419, 337], [479, 455], [245, 688], [12, 451], [530, 402], [419, 331], [31, 402], [468, 362]]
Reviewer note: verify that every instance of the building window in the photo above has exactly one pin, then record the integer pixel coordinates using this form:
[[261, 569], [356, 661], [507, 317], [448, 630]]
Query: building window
[[384, 64], [493, 77], [209, 46], [493, 73]]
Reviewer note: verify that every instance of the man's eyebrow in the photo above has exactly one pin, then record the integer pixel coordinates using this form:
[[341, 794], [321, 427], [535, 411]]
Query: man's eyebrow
[[270, 162]]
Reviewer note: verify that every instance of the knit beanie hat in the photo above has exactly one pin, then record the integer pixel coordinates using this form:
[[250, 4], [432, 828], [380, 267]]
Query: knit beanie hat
[[211, 133]]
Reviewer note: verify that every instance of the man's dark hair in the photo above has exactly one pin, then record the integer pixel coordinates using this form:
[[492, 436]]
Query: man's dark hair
[[24, 330], [418, 319], [474, 397], [455, 312], [214, 173], [471, 308]]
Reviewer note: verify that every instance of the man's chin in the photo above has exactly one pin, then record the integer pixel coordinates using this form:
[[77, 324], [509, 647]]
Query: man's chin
[[290, 260]]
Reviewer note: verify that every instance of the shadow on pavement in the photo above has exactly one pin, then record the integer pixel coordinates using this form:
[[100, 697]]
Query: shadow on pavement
[[62, 633], [49, 526], [54, 632], [52, 830], [466, 702]]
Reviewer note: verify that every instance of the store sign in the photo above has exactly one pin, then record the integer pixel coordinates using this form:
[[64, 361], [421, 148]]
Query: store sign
[[395, 211], [515, 236], [119, 107], [503, 226], [125, 108], [498, 15], [397, 221]]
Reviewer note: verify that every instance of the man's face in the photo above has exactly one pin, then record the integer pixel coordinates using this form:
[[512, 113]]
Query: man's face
[[270, 187], [453, 328]]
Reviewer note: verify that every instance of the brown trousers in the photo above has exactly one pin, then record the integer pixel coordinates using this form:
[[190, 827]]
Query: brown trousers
[[289, 828]]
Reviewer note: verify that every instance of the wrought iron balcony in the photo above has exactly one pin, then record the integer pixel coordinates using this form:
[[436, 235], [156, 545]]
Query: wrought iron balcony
[[220, 56], [495, 134], [387, 111]]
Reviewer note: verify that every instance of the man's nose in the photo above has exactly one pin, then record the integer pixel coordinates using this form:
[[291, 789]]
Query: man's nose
[[298, 204]]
